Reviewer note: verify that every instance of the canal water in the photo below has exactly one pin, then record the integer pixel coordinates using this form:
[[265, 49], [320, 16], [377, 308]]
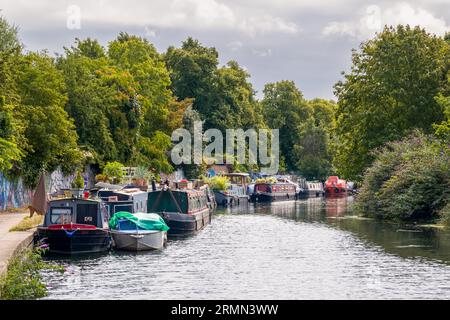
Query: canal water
[[308, 249]]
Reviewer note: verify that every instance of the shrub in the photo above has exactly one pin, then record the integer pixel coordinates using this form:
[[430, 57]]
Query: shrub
[[217, 182], [114, 172], [22, 280], [409, 180], [78, 182], [101, 177]]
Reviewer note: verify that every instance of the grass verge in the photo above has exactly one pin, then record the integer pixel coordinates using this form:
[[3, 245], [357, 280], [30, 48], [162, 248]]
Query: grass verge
[[28, 223]]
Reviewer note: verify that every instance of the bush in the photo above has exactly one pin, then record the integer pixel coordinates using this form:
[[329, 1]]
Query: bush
[[78, 182], [23, 280], [217, 182], [409, 180], [113, 171], [101, 178]]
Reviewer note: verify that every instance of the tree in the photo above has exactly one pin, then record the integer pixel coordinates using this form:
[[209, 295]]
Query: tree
[[8, 36], [9, 149], [389, 91], [146, 104], [193, 69], [311, 152], [90, 99], [10, 129], [285, 109], [51, 140], [235, 105]]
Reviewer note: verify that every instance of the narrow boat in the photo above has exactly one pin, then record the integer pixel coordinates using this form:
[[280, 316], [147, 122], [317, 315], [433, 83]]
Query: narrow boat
[[138, 232], [271, 190], [75, 225], [236, 191], [335, 186], [185, 211], [315, 189], [124, 199]]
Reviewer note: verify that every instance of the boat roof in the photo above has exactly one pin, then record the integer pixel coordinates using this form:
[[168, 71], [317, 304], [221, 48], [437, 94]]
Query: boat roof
[[240, 174], [125, 191], [74, 199], [104, 185]]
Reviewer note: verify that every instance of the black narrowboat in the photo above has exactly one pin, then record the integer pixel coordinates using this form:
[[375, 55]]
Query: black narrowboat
[[274, 191], [128, 199], [74, 226], [185, 211]]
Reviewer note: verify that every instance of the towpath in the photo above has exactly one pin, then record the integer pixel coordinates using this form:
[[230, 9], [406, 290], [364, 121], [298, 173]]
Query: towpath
[[11, 242]]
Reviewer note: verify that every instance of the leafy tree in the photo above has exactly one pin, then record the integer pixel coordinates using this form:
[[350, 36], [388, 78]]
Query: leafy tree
[[311, 151], [49, 132], [8, 36], [389, 91], [442, 130], [10, 129], [147, 103], [90, 99], [235, 105], [9, 149], [285, 109], [193, 72]]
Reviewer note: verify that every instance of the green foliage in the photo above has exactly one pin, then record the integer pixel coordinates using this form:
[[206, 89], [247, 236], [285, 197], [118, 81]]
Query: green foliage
[[23, 280], [193, 69], [409, 180], [9, 150], [217, 182], [285, 109], [49, 132], [442, 130], [78, 181], [8, 36], [143, 173], [390, 90], [223, 96], [114, 171]]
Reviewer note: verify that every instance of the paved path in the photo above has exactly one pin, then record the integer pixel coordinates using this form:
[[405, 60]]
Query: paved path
[[10, 242]]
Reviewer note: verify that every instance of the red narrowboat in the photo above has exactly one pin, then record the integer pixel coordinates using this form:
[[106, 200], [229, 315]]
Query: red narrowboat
[[335, 186], [273, 191]]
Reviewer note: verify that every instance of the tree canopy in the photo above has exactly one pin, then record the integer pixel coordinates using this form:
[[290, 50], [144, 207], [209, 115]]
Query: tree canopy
[[390, 90]]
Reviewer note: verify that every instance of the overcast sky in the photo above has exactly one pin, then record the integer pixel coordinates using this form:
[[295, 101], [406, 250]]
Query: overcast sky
[[308, 41]]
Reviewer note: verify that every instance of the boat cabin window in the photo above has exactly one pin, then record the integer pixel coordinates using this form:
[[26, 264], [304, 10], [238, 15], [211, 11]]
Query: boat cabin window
[[60, 215], [87, 213], [126, 207]]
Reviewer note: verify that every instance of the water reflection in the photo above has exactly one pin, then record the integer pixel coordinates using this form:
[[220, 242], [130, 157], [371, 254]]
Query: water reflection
[[309, 249]]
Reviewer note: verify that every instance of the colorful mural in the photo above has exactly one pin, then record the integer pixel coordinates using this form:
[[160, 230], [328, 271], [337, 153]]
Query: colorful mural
[[13, 194]]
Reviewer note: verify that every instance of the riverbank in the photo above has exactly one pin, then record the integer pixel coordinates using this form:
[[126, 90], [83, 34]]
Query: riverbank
[[12, 242]]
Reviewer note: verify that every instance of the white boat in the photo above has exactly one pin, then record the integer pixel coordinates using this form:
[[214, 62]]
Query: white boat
[[139, 240], [138, 232]]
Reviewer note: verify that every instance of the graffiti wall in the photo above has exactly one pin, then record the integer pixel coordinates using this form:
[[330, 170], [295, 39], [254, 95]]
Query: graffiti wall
[[13, 194]]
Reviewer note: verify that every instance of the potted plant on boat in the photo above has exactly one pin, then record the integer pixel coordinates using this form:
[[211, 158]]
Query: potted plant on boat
[[141, 178], [78, 185]]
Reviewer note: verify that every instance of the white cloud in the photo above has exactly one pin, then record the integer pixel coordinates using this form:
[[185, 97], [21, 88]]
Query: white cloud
[[188, 14], [235, 45], [375, 18], [262, 53]]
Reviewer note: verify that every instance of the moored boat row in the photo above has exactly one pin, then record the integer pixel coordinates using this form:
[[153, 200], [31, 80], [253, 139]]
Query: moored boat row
[[124, 218]]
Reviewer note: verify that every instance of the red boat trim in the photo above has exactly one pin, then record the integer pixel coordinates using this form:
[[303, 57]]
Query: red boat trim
[[71, 226]]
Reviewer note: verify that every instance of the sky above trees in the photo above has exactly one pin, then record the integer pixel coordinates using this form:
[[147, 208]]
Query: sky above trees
[[309, 42]]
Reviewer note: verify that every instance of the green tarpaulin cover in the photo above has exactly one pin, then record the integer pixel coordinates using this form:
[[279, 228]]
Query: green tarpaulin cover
[[147, 221]]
